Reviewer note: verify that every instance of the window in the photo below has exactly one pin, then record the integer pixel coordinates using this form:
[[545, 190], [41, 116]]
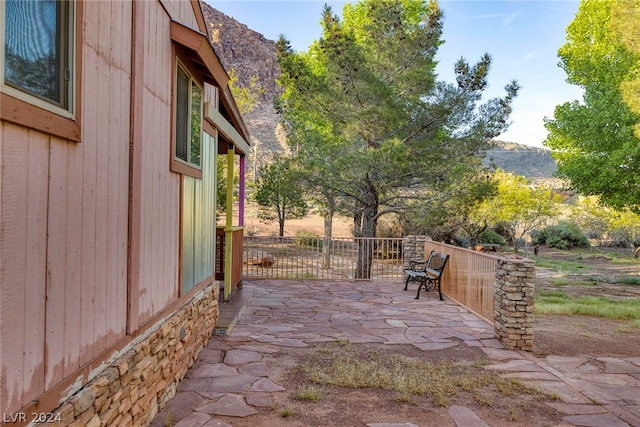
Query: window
[[38, 53], [188, 119]]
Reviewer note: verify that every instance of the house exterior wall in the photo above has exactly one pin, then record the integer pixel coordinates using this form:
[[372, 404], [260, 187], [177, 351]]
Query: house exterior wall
[[64, 224], [91, 233], [159, 212]]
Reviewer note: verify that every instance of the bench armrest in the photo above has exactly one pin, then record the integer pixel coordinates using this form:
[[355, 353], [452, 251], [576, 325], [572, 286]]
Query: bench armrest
[[417, 265]]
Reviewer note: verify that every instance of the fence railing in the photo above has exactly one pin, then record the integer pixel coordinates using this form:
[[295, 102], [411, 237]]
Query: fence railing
[[324, 258], [469, 278]]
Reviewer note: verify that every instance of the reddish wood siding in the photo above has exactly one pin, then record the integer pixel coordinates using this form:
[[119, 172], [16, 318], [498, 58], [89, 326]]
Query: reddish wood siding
[[160, 204], [64, 224], [65, 244], [23, 250]]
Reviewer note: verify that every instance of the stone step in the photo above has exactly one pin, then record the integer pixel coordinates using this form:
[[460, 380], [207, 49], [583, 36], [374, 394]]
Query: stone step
[[231, 311]]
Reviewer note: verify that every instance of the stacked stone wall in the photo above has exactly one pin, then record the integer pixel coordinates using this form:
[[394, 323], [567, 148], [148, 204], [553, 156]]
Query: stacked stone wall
[[514, 306], [134, 388], [413, 249]]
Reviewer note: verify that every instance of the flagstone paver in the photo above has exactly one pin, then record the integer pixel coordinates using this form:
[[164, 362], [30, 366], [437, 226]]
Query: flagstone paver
[[598, 420], [465, 417], [231, 405], [230, 377], [195, 419], [241, 357]]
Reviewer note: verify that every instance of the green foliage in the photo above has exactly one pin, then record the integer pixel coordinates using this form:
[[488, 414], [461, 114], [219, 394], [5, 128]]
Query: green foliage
[[625, 228], [592, 217], [278, 194], [626, 26], [371, 124], [517, 207], [221, 182], [306, 238], [594, 140], [564, 235], [563, 266], [246, 97], [617, 227], [490, 236]]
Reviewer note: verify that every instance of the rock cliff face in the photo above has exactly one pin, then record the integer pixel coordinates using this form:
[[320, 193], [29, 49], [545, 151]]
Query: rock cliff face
[[250, 54]]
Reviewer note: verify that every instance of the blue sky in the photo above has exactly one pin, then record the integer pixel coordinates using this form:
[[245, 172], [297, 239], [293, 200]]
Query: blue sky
[[522, 37]]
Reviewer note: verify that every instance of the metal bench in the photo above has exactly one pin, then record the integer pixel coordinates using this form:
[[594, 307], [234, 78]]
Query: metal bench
[[428, 272]]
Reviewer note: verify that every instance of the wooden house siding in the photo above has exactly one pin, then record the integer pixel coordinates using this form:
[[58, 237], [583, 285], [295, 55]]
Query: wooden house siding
[[160, 196], [91, 227], [64, 224]]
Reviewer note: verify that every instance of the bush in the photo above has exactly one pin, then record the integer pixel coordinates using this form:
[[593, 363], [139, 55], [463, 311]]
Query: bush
[[306, 238], [490, 236], [564, 235]]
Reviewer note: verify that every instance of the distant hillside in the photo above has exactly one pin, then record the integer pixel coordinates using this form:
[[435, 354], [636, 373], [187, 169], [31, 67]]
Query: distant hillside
[[520, 159]]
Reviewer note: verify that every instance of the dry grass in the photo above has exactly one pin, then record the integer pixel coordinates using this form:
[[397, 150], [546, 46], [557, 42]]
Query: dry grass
[[341, 366]]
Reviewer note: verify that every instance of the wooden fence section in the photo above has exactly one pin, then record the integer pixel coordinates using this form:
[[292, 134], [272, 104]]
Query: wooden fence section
[[469, 278], [320, 258]]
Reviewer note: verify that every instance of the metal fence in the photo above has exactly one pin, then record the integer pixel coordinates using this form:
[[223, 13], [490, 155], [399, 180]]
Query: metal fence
[[323, 258]]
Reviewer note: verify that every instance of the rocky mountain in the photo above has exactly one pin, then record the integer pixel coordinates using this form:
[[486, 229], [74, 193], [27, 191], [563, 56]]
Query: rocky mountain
[[520, 159], [251, 54]]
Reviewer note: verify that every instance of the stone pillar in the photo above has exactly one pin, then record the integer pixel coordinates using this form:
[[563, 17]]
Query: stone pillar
[[514, 307], [413, 249]]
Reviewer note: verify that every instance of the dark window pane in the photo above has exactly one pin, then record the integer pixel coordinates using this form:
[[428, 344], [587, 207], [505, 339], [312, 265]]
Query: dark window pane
[[182, 114], [196, 123], [36, 36]]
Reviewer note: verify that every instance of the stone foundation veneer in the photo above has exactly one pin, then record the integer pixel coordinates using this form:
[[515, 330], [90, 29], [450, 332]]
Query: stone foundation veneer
[[514, 307], [134, 388]]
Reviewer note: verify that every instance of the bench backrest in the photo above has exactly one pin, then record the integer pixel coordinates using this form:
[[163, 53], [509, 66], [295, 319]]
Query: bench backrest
[[437, 261]]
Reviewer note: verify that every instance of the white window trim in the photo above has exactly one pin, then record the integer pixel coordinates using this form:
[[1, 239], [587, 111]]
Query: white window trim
[[34, 100]]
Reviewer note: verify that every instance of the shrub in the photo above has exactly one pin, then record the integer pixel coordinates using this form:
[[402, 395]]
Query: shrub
[[631, 280], [490, 236], [563, 235], [306, 238], [461, 241]]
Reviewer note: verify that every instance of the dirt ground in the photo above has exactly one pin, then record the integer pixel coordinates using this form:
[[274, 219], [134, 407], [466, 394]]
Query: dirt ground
[[553, 335], [583, 335]]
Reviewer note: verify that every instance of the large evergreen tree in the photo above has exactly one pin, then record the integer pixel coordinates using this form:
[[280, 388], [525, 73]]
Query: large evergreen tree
[[594, 140], [369, 120]]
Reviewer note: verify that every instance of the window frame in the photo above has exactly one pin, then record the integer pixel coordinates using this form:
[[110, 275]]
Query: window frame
[[26, 109], [179, 165]]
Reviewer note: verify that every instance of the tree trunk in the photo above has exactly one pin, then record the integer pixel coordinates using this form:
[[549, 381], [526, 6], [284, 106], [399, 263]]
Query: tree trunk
[[326, 241], [367, 226], [328, 229], [366, 243], [281, 217]]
